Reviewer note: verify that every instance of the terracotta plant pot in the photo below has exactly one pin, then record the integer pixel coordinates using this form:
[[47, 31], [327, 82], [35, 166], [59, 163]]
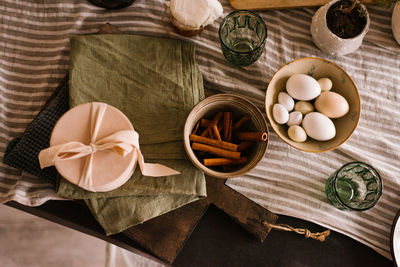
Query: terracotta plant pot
[[396, 22], [330, 43]]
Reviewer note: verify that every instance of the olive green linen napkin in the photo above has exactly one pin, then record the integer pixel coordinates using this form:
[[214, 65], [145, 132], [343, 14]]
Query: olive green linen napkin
[[155, 82]]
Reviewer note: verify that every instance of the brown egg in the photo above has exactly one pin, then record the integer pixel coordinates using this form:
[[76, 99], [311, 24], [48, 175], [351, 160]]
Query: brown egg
[[331, 104]]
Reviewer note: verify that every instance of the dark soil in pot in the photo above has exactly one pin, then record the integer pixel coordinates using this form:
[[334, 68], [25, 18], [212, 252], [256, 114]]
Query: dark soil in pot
[[345, 19]]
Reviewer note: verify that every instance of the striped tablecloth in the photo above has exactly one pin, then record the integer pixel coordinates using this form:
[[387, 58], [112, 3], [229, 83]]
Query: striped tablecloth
[[34, 57]]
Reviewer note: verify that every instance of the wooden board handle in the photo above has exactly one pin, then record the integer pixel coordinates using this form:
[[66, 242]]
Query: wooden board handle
[[280, 4], [247, 213]]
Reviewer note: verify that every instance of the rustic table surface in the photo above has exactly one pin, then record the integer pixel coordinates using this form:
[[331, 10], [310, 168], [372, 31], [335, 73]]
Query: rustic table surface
[[35, 58], [219, 241]]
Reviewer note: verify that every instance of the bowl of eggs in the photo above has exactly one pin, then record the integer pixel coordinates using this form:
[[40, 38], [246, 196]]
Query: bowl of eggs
[[313, 104]]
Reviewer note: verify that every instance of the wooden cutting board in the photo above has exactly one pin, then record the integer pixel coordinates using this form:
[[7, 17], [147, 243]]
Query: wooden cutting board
[[280, 4], [165, 235]]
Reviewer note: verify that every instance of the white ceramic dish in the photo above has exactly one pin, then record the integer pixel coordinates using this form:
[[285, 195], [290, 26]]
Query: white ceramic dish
[[395, 239]]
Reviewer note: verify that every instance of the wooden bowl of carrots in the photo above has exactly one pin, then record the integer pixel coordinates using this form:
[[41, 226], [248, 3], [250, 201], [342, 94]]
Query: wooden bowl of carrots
[[225, 135]]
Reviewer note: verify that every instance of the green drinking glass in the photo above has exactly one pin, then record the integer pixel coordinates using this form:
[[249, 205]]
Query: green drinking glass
[[242, 35], [355, 186]]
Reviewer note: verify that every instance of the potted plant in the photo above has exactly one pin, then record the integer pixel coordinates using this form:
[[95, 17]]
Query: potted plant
[[339, 27]]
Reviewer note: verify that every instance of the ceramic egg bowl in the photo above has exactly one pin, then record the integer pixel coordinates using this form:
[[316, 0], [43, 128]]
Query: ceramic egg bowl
[[342, 84], [239, 106]]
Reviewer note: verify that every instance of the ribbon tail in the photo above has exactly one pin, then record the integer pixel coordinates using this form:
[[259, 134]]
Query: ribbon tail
[[157, 170], [72, 150], [154, 169], [48, 156]]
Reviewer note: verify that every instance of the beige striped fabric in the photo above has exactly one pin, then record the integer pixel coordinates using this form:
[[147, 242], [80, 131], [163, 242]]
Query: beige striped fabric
[[292, 182], [34, 57]]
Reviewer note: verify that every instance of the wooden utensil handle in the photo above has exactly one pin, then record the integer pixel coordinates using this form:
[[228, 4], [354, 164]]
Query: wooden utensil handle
[[278, 4]]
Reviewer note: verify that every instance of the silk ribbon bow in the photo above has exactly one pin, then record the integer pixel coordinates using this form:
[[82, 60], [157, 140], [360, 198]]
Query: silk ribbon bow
[[121, 142]]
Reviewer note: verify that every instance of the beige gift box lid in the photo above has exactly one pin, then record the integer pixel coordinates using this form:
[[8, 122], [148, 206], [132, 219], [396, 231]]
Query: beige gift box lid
[[95, 146], [109, 169]]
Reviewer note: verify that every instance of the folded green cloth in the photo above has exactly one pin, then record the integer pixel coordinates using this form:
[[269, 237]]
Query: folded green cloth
[[155, 82]]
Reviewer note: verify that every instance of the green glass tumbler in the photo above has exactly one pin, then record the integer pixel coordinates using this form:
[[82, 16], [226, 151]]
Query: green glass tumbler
[[355, 186], [242, 35]]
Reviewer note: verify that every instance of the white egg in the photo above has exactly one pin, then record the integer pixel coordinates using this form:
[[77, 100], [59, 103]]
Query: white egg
[[295, 118], [318, 126], [304, 107], [280, 113], [297, 133], [325, 83], [286, 100], [303, 87]]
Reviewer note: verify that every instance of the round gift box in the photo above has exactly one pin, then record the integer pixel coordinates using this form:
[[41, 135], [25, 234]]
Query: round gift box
[[110, 169]]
